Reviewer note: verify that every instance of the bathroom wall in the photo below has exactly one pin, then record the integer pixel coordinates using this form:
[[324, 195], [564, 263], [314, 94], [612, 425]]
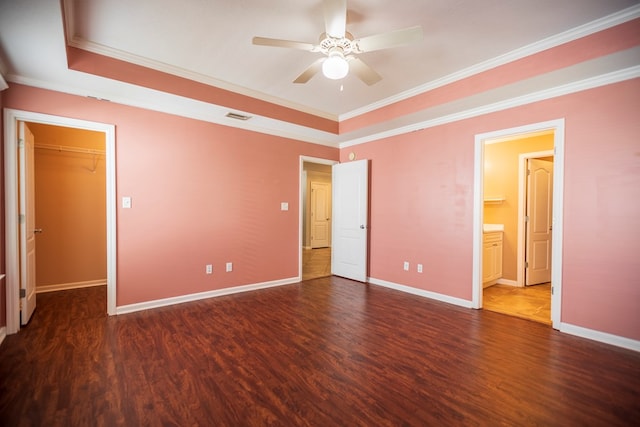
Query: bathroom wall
[[501, 166]]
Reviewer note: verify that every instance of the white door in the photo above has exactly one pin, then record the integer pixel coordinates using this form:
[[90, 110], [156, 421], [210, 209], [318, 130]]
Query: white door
[[539, 222], [350, 200], [320, 214], [27, 224]]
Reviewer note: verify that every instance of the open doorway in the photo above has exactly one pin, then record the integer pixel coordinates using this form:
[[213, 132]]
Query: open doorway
[[517, 226], [13, 202], [70, 208], [315, 217], [518, 218]]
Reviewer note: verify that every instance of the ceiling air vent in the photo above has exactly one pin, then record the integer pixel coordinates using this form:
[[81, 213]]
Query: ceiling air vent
[[238, 116]]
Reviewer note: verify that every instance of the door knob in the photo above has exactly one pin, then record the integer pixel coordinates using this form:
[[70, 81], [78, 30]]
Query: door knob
[[362, 226], [37, 230]]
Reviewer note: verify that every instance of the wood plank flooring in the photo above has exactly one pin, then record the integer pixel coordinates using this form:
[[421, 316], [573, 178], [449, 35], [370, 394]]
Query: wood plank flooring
[[530, 302], [316, 263], [325, 352]]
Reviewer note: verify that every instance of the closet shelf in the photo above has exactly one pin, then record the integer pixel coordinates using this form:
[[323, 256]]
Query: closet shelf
[[494, 200]]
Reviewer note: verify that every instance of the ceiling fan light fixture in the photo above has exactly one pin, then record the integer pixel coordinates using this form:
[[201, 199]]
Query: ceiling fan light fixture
[[335, 67]]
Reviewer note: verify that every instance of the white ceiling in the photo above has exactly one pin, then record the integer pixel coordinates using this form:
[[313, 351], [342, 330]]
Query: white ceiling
[[210, 41]]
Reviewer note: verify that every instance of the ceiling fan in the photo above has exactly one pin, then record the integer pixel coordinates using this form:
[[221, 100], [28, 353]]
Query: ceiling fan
[[339, 47]]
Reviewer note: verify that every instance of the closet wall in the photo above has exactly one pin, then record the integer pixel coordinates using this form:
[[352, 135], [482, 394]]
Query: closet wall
[[70, 207]]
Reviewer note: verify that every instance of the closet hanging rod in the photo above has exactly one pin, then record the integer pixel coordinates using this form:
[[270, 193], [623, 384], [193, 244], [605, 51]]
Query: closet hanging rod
[[68, 149]]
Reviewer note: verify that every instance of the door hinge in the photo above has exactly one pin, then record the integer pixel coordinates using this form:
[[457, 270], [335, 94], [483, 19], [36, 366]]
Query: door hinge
[[21, 219], [23, 293], [526, 264], [552, 290], [20, 143], [526, 218]]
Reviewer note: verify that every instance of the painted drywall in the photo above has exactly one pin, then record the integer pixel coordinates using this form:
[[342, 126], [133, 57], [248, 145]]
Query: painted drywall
[[201, 194], [422, 197], [70, 205], [501, 166]]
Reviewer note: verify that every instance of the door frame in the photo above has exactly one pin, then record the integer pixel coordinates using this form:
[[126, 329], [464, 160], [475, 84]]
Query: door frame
[[12, 180], [522, 204], [558, 128], [301, 186]]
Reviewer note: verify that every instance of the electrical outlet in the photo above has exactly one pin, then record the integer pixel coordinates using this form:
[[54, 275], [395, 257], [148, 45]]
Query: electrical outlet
[[209, 269], [419, 268], [229, 267], [406, 266]]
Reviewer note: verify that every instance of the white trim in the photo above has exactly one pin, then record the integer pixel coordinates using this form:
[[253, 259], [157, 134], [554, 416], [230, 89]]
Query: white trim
[[147, 305], [301, 184], [507, 282], [3, 334], [584, 30], [11, 119], [603, 337], [422, 293], [593, 27], [557, 126], [3, 83], [196, 77], [180, 106], [522, 202], [518, 101], [67, 286]]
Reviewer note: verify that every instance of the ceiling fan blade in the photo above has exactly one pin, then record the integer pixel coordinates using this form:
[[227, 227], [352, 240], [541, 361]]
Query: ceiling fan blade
[[265, 41], [390, 39], [335, 17], [364, 72], [313, 69]]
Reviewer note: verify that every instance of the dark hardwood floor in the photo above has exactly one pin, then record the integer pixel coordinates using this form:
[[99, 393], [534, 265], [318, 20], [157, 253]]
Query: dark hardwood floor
[[325, 352]]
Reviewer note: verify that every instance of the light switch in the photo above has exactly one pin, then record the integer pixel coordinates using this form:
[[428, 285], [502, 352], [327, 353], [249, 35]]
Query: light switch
[[284, 206], [126, 202]]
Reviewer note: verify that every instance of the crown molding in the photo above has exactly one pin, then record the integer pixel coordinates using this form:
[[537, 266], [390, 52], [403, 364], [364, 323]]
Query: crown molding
[[592, 27], [184, 107], [3, 83], [190, 75], [163, 102], [554, 92]]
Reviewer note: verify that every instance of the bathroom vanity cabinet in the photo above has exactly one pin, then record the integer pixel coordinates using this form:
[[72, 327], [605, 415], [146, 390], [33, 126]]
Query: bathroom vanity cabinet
[[491, 258]]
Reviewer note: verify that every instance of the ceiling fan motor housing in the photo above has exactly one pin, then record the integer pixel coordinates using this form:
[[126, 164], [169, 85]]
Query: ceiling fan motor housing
[[330, 44]]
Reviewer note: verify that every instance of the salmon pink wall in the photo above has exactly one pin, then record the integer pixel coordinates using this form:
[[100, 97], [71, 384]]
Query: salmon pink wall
[[422, 196], [201, 194]]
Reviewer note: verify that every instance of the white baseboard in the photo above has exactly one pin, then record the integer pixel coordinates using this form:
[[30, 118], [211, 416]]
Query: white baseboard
[[3, 334], [507, 282], [420, 292], [604, 337], [67, 286], [130, 308]]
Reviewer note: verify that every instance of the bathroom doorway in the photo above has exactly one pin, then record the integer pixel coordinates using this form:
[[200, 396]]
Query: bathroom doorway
[[519, 200]]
